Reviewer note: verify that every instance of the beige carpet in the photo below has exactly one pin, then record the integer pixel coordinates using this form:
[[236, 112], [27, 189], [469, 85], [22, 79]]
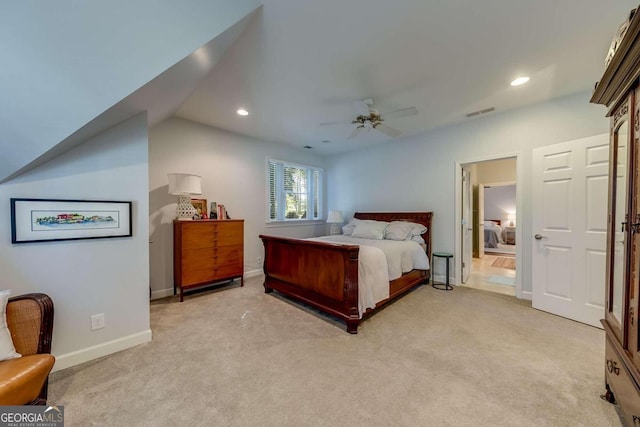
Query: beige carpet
[[504, 262], [239, 357]]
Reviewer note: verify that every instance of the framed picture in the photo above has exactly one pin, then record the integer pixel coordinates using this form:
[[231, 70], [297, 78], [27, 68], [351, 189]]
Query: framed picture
[[41, 220], [201, 207]]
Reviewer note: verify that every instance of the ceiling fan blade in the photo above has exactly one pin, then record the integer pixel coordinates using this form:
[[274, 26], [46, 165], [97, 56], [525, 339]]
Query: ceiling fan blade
[[403, 112], [388, 130], [334, 123], [354, 133]]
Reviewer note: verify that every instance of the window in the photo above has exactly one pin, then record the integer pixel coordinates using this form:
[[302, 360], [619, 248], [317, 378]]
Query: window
[[295, 191]]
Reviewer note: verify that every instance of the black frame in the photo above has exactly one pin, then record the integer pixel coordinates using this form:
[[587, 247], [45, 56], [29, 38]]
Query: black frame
[[125, 228]]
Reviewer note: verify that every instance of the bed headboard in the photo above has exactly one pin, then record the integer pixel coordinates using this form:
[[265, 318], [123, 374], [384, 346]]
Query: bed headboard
[[497, 221], [423, 218]]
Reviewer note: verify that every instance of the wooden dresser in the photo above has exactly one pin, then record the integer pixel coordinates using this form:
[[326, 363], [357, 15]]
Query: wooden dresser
[[207, 251], [618, 89]]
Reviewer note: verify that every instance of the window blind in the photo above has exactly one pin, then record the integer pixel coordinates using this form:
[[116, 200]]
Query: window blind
[[294, 191]]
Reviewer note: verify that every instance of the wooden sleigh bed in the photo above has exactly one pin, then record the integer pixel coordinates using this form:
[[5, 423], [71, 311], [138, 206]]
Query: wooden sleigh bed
[[325, 275]]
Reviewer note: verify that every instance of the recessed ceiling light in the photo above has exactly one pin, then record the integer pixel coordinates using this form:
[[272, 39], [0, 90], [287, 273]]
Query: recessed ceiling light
[[242, 112], [308, 147], [520, 81], [326, 141]]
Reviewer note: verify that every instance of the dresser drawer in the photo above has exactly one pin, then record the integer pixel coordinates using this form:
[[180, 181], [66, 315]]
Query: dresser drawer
[[227, 271], [622, 385], [228, 233], [228, 255], [197, 235], [198, 259], [197, 277]]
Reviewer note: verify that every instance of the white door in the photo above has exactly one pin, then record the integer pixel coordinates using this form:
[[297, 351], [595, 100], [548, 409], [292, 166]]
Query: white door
[[570, 228], [467, 228]]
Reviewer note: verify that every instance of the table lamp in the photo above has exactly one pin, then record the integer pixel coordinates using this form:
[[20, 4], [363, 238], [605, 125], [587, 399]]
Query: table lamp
[[335, 219], [184, 185]]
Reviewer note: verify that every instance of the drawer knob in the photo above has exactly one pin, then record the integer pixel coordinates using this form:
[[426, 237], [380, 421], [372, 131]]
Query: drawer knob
[[612, 367]]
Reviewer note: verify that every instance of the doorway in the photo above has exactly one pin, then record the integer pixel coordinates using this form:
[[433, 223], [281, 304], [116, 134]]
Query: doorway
[[488, 242]]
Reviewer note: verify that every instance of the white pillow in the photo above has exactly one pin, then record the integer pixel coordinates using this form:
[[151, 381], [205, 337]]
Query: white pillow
[[398, 230], [369, 230], [418, 239], [417, 229], [348, 228], [7, 350]]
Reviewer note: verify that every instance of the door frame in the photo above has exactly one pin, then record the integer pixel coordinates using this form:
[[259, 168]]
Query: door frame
[[522, 218], [467, 188]]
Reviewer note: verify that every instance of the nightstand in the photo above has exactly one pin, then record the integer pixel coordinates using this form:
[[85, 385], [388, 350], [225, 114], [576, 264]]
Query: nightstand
[[447, 256]]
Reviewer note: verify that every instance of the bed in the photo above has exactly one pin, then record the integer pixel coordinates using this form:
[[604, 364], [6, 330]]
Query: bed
[[324, 274], [492, 233]]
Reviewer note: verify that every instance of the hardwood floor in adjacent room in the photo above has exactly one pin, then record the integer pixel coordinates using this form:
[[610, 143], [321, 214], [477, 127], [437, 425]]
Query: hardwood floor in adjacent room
[[482, 271]]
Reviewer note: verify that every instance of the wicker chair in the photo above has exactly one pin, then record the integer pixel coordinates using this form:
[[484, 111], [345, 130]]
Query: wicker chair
[[24, 381]]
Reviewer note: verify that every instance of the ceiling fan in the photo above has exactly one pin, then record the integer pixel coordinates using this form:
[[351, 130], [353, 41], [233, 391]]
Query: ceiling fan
[[368, 118]]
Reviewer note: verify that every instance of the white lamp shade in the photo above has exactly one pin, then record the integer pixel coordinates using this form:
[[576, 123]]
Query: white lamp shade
[[335, 217], [184, 184]]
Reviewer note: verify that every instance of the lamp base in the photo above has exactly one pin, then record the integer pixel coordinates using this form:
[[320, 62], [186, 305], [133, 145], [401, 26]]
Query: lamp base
[[185, 210], [334, 229]]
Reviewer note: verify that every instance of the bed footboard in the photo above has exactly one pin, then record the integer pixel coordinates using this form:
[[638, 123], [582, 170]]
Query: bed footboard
[[323, 275]]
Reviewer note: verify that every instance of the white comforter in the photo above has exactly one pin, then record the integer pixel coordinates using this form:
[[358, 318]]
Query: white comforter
[[379, 262]]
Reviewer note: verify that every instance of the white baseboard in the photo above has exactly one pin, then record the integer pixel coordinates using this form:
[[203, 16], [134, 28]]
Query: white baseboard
[[253, 273], [441, 278], [64, 361], [162, 293], [527, 295]]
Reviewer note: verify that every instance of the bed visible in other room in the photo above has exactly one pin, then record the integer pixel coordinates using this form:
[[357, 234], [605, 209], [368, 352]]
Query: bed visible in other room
[[492, 233]]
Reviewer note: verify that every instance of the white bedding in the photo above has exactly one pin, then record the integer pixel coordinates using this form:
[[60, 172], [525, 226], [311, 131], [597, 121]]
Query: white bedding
[[379, 262], [492, 234]]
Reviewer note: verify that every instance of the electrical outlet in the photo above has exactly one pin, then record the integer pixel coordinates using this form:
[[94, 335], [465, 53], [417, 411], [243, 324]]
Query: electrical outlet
[[97, 321]]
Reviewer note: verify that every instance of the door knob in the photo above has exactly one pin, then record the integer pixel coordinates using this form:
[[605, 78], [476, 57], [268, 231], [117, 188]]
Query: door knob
[[539, 237]]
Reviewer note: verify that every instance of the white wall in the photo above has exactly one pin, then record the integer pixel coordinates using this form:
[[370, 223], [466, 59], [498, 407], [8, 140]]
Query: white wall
[[496, 171], [499, 202], [86, 277], [418, 173], [233, 173]]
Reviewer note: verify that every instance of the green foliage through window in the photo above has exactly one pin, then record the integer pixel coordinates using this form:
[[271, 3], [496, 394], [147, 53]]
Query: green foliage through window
[[295, 191]]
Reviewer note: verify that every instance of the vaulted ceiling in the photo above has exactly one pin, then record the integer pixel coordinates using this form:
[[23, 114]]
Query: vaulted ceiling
[[292, 64], [301, 63]]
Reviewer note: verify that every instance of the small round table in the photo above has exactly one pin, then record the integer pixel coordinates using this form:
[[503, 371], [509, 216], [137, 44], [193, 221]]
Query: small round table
[[447, 256]]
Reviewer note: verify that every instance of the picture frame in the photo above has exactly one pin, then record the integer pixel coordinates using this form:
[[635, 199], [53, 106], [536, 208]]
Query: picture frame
[[200, 206], [43, 220]]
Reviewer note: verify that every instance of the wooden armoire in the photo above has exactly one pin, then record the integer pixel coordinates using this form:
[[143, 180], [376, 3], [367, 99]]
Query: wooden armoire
[[619, 90]]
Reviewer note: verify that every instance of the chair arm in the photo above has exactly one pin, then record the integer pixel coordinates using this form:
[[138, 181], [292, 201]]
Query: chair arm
[[30, 321]]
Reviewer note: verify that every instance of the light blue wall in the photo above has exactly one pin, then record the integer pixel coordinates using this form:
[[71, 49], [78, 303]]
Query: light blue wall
[[85, 277], [418, 173], [233, 170]]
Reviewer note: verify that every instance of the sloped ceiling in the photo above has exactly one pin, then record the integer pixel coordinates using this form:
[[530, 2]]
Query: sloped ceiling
[[73, 69], [302, 63]]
